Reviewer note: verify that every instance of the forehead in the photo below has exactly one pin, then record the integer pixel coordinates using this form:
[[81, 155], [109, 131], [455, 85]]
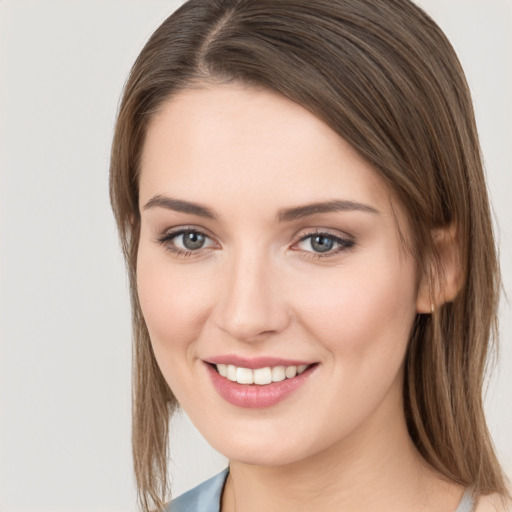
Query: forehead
[[240, 143]]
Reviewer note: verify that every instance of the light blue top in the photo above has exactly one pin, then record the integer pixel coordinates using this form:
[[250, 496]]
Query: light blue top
[[206, 497], [203, 498]]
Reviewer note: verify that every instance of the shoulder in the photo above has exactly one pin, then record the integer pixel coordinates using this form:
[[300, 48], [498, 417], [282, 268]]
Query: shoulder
[[493, 503], [203, 498]]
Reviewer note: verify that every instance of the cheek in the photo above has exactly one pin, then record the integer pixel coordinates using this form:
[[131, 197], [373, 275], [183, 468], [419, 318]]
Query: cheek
[[173, 300], [368, 305], [361, 316]]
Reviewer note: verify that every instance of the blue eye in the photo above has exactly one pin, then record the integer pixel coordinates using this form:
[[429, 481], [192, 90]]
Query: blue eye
[[192, 240], [324, 244], [185, 241], [321, 243]]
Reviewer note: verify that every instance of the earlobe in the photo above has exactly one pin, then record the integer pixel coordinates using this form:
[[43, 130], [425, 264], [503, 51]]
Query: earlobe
[[443, 282]]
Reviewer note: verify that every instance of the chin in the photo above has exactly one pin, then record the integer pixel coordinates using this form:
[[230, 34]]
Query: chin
[[261, 456], [260, 447]]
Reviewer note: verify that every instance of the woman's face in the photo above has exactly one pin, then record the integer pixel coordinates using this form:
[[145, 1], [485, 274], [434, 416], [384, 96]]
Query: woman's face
[[267, 243]]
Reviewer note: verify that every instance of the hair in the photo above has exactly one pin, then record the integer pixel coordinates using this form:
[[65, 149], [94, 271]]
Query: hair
[[383, 76]]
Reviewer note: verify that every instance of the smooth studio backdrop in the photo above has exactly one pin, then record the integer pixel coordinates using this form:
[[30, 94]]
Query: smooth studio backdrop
[[65, 321]]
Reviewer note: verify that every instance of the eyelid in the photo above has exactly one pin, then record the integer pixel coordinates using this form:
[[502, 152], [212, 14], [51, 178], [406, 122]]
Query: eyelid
[[169, 235], [174, 230], [345, 242]]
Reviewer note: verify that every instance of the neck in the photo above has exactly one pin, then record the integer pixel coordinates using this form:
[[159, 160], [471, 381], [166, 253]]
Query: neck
[[372, 469]]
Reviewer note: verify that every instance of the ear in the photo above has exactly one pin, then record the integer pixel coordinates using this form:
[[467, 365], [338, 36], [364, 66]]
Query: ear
[[443, 282]]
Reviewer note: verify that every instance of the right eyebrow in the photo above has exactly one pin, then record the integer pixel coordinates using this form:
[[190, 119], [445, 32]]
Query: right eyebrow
[[179, 205]]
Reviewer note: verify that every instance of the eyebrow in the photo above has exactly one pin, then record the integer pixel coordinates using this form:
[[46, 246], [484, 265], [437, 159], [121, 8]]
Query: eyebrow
[[179, 205], [286, 215], [299, 212]]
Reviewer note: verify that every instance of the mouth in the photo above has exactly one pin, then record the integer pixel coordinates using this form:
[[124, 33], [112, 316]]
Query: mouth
[[259, 386], [259, 376]]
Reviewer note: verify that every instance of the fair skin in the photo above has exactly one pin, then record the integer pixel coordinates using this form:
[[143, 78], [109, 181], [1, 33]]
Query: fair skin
[[229, 267]]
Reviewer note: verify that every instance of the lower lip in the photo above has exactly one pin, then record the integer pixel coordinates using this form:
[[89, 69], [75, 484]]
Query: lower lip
[[254, 396]]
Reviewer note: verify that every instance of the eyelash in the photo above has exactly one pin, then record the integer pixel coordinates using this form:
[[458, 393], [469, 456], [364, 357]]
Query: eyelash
[[167, 238], [344, 244]]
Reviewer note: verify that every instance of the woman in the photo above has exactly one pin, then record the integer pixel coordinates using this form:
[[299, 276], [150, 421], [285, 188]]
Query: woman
[[300, 197]]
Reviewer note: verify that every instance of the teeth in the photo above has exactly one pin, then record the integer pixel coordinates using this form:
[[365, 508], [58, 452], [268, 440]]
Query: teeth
[[290, 372], [259, 376], [262, 376], [223, 369], [231, 372], [244, 376], [278, 373]]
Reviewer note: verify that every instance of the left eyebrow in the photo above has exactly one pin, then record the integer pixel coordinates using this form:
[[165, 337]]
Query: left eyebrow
[[300, 212]]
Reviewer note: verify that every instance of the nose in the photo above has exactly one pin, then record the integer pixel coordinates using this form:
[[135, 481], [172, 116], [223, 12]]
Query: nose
[[251, 305]]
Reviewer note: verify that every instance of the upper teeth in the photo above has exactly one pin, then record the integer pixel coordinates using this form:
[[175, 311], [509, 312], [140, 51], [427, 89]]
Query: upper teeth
[[260, 376]]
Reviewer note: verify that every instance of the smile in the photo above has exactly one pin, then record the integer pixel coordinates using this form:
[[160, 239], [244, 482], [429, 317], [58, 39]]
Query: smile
[[265, 384], [259, 376]]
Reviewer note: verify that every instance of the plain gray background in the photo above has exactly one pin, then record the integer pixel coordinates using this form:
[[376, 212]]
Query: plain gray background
[[64, 325]]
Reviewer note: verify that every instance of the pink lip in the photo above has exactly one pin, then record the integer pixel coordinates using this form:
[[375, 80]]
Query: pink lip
[[256, 362], [253, 396]]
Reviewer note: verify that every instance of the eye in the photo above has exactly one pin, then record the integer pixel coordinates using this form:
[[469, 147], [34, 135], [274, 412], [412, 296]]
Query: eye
[[324, 244], [190, 240], [186, 241]]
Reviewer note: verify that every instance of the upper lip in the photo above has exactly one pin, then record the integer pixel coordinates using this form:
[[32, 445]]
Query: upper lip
[[255, 362]]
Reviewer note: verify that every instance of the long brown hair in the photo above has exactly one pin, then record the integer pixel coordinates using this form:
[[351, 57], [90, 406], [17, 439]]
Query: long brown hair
[[382, 75]]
